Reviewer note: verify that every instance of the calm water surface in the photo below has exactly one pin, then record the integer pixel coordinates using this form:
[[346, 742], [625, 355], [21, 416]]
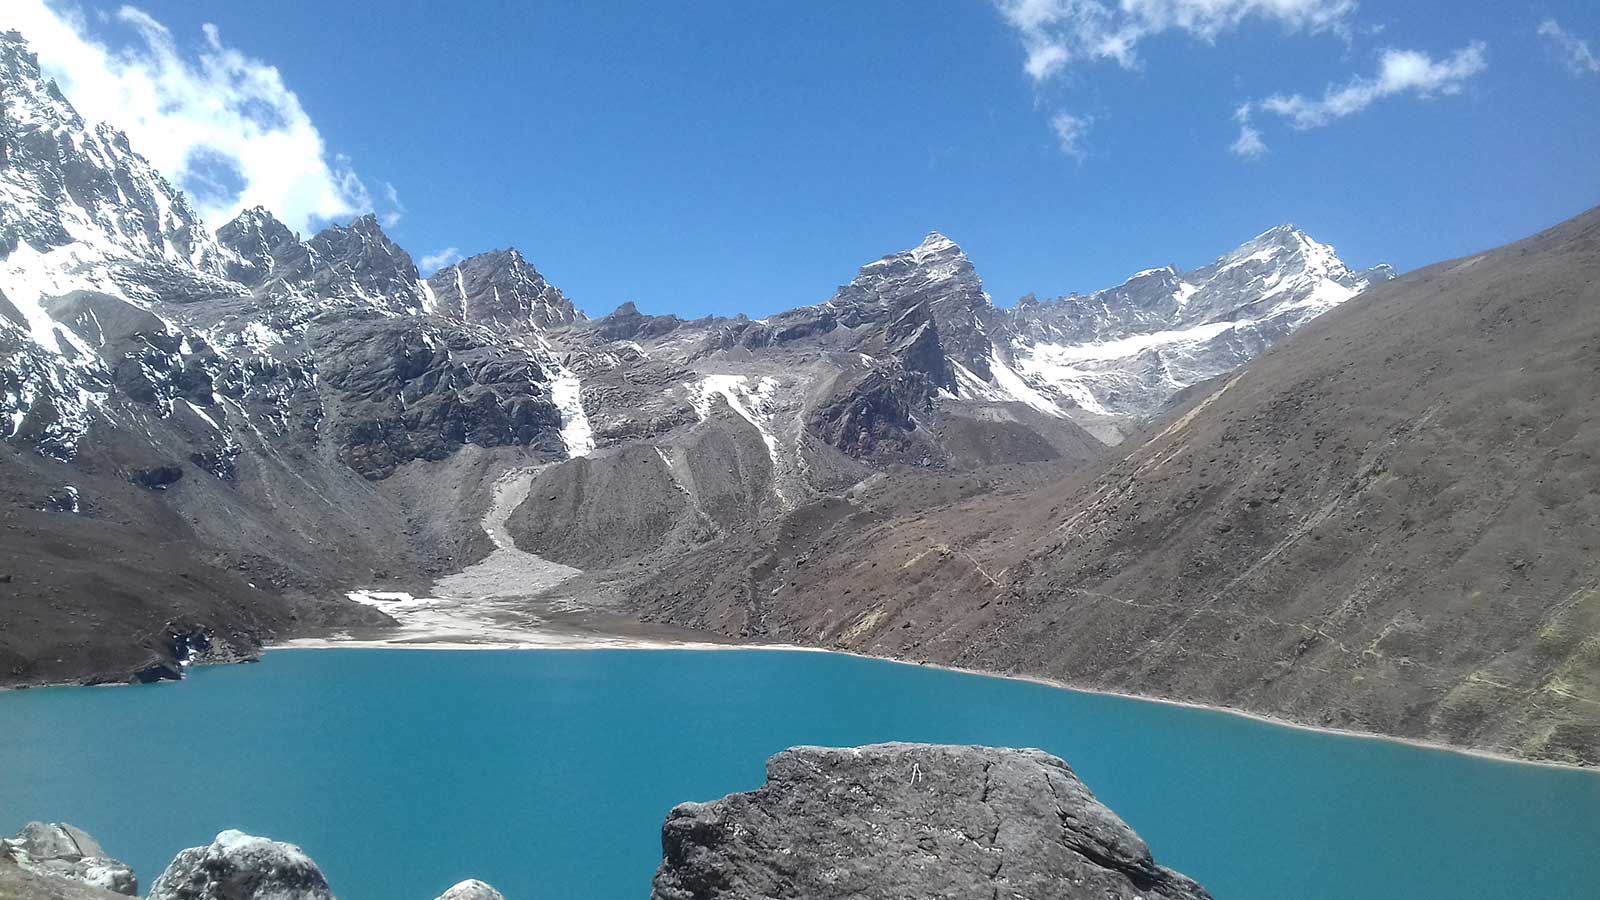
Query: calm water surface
[[547, 774]]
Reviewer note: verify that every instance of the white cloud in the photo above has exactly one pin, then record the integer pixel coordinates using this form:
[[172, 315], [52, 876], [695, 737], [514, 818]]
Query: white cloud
[[1069, 131], [1058, 33], [1399, 72], [1249, 144], [396, 211], [433, 262], [1574, 52], [221, 124]]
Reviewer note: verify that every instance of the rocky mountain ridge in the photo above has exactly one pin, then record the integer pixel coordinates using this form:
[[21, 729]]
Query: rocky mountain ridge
[[207, 442]]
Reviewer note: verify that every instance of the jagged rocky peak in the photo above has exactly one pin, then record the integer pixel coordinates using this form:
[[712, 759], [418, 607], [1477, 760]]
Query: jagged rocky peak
[[936, 259], [64, 181], [355, 263], [1280, 272], [937, 274], [499, 288], [627, 323], [265, 247], [376, 268]]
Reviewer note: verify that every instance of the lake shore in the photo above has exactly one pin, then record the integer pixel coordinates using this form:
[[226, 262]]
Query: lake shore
[[648, 637]]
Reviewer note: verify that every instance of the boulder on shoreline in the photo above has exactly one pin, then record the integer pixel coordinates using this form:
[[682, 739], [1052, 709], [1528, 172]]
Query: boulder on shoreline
[[62, 851], [903, 821], [239, 866]]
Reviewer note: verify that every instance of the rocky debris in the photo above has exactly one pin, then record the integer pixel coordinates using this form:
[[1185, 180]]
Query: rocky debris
[[62, 851], [910, 821], [471, 889], [60, 862], [239, 866]]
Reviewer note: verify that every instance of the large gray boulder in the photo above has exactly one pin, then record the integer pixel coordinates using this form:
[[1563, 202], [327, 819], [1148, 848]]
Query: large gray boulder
[[63, 851], [910, 821], [239, 866]]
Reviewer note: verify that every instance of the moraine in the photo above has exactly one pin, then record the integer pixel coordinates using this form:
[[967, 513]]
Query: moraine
[[548, 773]]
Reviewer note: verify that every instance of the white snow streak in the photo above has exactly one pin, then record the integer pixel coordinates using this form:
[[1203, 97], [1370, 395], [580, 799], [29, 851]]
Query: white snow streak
[[567, 394], [755, 404]]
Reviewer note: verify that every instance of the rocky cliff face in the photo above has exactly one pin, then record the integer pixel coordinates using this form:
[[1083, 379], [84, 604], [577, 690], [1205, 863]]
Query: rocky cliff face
[[910, 821]]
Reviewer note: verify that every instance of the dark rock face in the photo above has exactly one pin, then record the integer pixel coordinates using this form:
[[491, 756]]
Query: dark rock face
[[158, 478], [500, 289], [411, 389], [62, 851], [873, 417], [238, 866], [905, 821]]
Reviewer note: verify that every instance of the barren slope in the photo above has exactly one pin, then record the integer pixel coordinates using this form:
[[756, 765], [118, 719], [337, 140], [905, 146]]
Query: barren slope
[[1389, 522]]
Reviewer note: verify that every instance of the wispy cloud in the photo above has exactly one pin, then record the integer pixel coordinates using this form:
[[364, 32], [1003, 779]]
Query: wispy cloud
[[1400, 73], [433, 262], [220, 123], [396, 210], [1249, 144], [1575, 53], [1058, 33], [1070, 130]]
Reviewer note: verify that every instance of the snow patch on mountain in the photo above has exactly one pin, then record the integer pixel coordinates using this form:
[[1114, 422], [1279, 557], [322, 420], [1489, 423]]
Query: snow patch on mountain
[[755, 400], [566, 392]]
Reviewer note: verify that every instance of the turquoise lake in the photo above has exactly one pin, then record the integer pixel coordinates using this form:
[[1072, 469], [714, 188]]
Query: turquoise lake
[[548, 773]]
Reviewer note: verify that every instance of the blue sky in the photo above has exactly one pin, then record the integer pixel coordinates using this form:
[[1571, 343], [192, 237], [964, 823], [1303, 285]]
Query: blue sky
[[727, 157]]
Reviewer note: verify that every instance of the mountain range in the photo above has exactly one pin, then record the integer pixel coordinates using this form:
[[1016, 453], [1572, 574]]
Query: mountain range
[[210, 439]]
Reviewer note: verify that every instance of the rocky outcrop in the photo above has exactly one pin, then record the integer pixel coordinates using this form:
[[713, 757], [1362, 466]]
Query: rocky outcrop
[[62, 851], [910, 821], [239, 866]]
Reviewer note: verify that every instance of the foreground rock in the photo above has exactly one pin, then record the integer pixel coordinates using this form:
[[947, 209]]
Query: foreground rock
[[239, 866], [60, 862], [64, 852], [910, 821], [471, 889]]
